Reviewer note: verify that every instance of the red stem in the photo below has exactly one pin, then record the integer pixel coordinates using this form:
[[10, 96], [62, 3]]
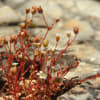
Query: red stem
[[44, 37], [44, 19], [65, 48]]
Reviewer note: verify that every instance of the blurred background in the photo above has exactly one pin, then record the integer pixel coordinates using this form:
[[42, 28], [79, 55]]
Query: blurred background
[[84, 14]]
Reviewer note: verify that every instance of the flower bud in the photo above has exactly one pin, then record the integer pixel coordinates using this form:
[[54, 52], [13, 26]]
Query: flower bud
[[58, 37], [31, 39], [76, 30], [37, 39], [27, 10], [33, 11], [57, 20], [12, 38], [37, 53], [3, 40], [40, 10], [45, 43], [53, 50], [13, 70], [1, 45], [49, 28], [36, 44], [68, 35], [22, 25]]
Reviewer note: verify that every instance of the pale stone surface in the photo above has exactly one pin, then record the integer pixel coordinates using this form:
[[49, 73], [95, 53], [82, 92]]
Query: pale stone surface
[[84, 96], [97, 36], [14, 3], [65, 3], [85, 30], [83, 70], [9, 30], [96, 83], [8, 15], [88, 8], [87, 53], [1, 4]]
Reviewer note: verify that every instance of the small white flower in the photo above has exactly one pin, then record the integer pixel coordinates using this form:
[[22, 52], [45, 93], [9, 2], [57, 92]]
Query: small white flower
[[21, 83], [48, 62], [53, 48], [42, 75], [33, 89], [20, 55], [54, 71], [22, 33], [14, 64], [58, 34], [70, 32], [54, 68], [39, 73]]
